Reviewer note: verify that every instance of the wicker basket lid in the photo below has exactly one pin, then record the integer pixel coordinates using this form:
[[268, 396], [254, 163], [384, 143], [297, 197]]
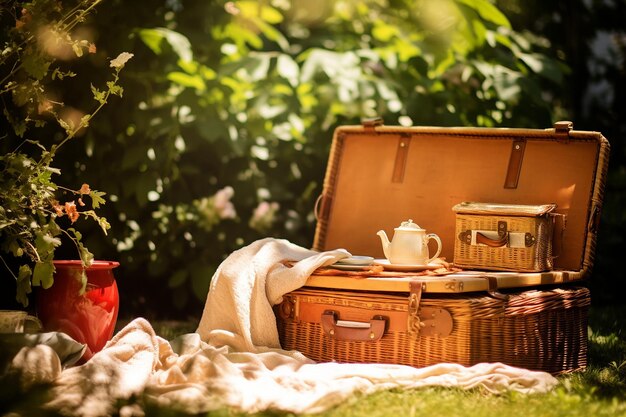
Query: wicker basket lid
[[469, 207]]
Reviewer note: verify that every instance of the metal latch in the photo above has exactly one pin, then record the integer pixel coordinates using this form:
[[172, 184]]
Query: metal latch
[[562, 129], [426, 321]]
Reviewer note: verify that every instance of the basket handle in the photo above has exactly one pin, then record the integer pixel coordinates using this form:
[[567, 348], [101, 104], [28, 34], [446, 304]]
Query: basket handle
[[353, 331], [481, 238], [494, 243]]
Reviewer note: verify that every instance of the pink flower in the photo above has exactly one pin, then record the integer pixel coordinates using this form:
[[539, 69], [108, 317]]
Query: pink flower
[[57, 208], [225, 209]]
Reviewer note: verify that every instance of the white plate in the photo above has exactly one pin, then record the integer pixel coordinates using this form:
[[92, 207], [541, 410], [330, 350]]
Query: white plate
[[349, 267], [356, 260], [405, 267]]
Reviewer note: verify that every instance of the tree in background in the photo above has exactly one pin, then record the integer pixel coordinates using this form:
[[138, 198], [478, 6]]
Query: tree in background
[[229, 109]]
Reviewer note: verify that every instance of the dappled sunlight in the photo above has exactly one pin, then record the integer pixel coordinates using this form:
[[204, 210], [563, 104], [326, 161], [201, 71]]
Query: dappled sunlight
[[55, 44], [63, 46]]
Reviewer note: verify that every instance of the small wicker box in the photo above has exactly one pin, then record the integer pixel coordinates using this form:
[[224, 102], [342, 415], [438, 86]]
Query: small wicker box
[[504, 237]]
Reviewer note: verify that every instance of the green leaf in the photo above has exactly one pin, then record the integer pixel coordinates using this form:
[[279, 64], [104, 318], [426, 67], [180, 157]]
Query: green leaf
[[272, 34], [480, 33], [506, 83], [254, 9], [96, 198], [84, 122], [35, 65], [543, 66], [190, 67], [152, 39], [104, 224], [384, 32], [115, 89], [85, 255], [45, 243], [23, 285], [67, 126], [19, 126], [43, 274], [488, 12], [179, 43], [186, 80], [242, 35]]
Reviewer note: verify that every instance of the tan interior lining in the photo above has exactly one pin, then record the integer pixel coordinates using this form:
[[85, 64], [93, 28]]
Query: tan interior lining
[[443, 170]]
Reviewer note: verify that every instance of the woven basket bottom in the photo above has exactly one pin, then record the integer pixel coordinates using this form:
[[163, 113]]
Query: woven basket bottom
[[538, 329]]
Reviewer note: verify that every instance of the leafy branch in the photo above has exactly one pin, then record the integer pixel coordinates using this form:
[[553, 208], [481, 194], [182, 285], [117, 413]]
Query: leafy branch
[[29, 210]]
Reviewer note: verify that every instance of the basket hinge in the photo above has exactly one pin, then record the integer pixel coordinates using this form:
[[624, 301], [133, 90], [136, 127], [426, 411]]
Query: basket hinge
[[372, 123], [562, 129], [426, 321]]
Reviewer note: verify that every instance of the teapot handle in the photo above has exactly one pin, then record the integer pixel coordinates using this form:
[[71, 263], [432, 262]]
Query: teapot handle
[[436, 238]]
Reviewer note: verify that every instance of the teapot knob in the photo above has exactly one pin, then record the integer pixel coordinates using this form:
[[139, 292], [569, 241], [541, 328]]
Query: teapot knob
[[409, 225]]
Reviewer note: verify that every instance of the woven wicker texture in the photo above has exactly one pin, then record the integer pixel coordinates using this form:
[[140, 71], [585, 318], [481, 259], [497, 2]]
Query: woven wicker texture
[[534, 258], [537, 329]]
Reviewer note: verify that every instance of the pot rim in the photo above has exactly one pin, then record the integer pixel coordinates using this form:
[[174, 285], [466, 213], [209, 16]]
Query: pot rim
[[77, 264]]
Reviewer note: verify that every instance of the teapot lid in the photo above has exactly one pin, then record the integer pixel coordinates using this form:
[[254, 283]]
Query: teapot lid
[[408, 225]]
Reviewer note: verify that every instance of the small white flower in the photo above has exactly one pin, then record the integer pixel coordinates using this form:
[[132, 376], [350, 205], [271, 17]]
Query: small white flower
[[121, 60]]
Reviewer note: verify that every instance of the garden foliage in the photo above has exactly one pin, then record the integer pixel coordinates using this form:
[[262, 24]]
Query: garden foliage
[[38, 40], [223, 133]]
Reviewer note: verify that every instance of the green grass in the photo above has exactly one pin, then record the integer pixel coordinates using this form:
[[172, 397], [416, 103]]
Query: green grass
[[600, 390]]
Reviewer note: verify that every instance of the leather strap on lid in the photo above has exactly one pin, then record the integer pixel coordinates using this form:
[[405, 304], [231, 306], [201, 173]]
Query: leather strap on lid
[[401, 157], [515, 164]]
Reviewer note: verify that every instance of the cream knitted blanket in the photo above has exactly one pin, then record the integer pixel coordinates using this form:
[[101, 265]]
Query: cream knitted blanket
[[234, 359]]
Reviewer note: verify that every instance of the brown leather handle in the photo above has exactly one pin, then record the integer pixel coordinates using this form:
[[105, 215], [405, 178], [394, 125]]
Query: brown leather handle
[[494, 243], [373, 333]]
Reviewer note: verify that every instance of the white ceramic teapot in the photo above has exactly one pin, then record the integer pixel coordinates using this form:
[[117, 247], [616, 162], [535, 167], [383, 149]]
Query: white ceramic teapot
[[409, 245]]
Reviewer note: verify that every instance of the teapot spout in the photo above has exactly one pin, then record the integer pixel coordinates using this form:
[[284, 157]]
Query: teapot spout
[[385, 242]]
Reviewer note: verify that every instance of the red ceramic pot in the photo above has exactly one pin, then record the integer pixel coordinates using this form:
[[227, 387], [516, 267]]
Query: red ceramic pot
[[88, 318]]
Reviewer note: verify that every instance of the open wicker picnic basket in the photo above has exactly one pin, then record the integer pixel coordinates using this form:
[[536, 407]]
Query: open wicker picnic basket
[[513, 293]]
